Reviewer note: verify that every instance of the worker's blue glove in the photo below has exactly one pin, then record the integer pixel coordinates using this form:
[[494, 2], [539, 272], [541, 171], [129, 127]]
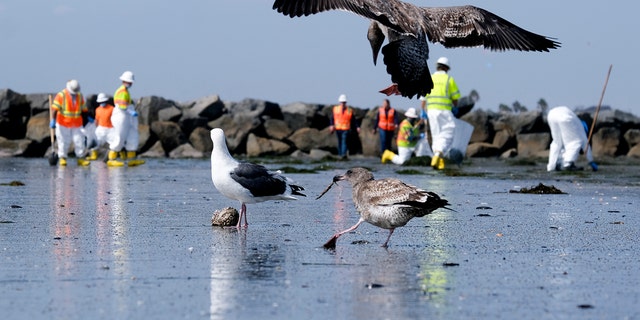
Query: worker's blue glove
[[454, 110], [90, 120], [593, 165], [133, 113], [52, 124], [423, 114]]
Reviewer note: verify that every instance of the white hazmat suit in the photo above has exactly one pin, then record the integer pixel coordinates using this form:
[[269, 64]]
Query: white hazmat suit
[[568, 138]]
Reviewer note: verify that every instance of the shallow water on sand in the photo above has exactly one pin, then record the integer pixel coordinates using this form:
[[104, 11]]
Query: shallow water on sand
[[98, 242]]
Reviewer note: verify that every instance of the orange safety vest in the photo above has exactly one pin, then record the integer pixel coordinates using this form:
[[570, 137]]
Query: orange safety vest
[[342, 118], [121, 98], [386, 119], [69, 109], [103, 116]]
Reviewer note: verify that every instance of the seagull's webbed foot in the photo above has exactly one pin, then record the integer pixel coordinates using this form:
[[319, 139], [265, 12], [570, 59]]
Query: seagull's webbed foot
[[391, 90]]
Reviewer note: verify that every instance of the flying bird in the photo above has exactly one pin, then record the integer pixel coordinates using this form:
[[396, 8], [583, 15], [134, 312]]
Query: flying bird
[[408, 27], [246, 182], [388, 203]]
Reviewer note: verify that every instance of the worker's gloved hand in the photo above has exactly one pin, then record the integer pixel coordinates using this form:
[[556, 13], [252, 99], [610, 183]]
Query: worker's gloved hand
[[133, 113], [594, 165], [52, 124], [90, 120]]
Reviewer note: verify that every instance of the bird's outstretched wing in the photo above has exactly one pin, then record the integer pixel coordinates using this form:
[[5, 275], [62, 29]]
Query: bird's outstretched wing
[[397, 15], [469, 26]]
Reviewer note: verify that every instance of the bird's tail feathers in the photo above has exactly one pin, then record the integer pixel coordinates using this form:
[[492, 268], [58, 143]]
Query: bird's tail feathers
[[295, 190]]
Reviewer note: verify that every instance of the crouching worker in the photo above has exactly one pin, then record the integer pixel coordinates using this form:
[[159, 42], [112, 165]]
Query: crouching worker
[[569, 137], [408, 137], [104, 129]]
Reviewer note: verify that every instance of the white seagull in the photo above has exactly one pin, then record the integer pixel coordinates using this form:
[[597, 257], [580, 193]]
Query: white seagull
[[408, 27], [388, 203], [246, 182]]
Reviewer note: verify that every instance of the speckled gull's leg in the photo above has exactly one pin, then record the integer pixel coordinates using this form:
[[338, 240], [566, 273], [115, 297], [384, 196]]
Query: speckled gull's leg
[[384, 245], [331, 244]]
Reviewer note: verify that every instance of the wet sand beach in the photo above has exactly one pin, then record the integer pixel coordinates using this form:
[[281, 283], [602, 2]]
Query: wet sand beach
[[137, 243]]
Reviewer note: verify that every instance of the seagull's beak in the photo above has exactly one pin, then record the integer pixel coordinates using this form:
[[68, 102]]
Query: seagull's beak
[[376, 38], [338, 178]]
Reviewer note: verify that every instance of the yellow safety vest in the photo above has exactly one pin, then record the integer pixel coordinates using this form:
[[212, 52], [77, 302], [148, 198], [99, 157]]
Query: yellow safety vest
[[407, 134], [444, 91], [121, 98]]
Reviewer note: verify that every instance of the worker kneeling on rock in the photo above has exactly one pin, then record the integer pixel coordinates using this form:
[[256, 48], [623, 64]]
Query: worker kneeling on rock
[[408, 137]]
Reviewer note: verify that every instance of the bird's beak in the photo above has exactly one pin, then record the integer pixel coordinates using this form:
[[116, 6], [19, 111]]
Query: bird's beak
[[338, 178], [376, 38]]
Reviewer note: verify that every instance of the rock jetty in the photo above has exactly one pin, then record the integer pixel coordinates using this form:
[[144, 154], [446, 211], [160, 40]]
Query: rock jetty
[[262, 128]]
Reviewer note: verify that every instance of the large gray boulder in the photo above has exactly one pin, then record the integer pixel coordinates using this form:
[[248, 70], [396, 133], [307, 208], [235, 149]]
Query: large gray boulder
[[236, 132], [482, 128], [304, 115], [306, 139], [38, 128], [482, 149], [253, 109], [15, 111], [209, 107], [606, 142], [532, 144], [185, 151], [13, 148], [39, 102], [200, 139], [505, 140], [149, 107], [258, 146], [632, 137], [277, 129], [169, 134]]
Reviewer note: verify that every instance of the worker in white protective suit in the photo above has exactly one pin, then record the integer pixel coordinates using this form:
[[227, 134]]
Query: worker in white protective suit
[[103, 128], [125, 125], [569, 137], [67, 111], [439, 102]]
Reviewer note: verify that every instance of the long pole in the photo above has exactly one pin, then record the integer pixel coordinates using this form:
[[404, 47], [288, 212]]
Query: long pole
[[595, 116]]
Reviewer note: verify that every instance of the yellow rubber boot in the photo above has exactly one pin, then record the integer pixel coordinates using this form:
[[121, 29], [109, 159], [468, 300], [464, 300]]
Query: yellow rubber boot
[[440, 164], [83, 162], [132, 162], [112, 162], [63, 161], [387, 156], [436, 160], [93, 155]]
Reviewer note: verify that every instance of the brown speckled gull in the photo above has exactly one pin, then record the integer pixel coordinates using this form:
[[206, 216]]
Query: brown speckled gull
[[387, 203]]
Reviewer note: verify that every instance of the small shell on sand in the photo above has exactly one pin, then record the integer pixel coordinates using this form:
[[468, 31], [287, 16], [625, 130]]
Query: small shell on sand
[[225, 217]]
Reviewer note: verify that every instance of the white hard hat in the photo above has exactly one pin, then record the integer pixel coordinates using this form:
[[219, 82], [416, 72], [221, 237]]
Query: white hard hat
[[443, 61], [411, 113], [127, 76], [102, 98], [342, 98], [73, 86]]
